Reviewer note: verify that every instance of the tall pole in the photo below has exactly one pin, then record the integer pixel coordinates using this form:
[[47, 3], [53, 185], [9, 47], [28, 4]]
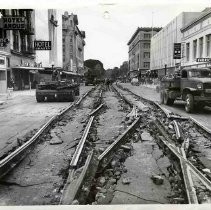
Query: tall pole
[[152, 25]]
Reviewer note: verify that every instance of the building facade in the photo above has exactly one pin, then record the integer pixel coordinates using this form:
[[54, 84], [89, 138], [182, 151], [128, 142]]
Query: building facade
[[162, 43], [139, 50], [20, 54], [47, 26], [196, 38], [73, 44]]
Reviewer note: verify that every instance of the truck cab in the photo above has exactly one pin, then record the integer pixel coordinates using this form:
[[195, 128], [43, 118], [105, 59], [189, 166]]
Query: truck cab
[[194, 87]]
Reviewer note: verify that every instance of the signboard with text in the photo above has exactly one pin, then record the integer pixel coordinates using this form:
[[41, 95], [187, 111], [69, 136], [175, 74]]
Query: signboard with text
[[203, 59], [42, 45], [177, 51], [13, 23]]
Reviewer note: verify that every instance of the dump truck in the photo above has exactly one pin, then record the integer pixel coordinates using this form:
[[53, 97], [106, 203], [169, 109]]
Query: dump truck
[[192, 85], [53, 88]]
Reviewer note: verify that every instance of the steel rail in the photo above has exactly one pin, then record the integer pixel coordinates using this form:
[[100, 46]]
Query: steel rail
[[174, 149], [10, 161], [81, 143], [96, 110], [5, 164], [200, 125], [118, 141], [72, 188], [177, 130], [190, 190]]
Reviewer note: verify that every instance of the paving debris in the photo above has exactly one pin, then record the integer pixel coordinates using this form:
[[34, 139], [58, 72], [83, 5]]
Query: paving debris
[[55, 139], [157, 179], [145, 136], [126, 181], [126, 148]]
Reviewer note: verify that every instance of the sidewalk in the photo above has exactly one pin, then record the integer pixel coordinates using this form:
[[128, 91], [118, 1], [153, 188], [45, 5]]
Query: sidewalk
[[5, 97], [147, 91]]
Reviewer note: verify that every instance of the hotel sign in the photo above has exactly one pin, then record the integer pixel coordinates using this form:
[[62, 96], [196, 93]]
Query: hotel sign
[[14, 23], [203, 59], [42, 45]]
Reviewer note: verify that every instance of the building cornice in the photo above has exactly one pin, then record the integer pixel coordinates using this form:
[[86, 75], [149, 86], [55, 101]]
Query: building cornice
[[144, 29], [202, 17]]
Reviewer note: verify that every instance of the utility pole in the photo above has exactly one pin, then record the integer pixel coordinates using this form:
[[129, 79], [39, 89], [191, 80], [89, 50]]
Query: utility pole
[[152, 26]]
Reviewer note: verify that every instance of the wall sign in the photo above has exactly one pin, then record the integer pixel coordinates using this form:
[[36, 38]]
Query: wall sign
[[203, 59], [177, 51], [42, 45], [14, 23]]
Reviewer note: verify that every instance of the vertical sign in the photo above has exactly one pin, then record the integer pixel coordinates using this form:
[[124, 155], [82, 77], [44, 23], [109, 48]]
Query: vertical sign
[[177, 51]]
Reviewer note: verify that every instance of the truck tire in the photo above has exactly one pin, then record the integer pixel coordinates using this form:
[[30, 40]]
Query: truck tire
[[167, 100], [39, 98], [161, 97], [189, 103]]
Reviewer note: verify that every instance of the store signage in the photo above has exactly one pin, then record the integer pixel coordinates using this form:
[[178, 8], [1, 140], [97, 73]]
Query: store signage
[[203, 59], [14, 23], [42, 45], [177, 51]]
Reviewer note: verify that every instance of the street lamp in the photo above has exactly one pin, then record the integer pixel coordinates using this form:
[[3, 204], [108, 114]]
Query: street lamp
[[52, 64]]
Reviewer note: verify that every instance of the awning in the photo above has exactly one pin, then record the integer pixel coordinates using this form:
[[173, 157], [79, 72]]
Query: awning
[[27, 68], [72, 73]]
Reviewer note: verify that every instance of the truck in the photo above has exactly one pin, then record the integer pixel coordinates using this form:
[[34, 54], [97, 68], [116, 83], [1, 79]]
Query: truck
[[53, 88], [192, 85]]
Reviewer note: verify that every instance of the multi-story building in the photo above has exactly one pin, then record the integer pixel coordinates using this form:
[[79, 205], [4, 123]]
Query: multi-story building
[[46, 25], [73, 44], [20, 54], [139, 50], [196, 39], [162, 43]]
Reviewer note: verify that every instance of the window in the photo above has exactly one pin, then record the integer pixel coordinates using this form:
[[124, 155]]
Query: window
[[147, 36], [15, 40], [138, 61], [188, 51], [146, 64], [201, 47], [208, 39], [146, 55], [194, 48], [146, 45]]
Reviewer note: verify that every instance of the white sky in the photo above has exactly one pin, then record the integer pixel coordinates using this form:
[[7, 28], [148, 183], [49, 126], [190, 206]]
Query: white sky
[[106, 39]]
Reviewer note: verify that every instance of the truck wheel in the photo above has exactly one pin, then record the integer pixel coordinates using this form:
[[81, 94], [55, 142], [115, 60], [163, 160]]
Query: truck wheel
[[39, 98], [167, 100], [189, 103], [161, 97]]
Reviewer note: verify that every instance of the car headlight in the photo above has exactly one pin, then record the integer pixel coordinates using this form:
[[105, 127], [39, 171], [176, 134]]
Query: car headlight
[[199, 86]]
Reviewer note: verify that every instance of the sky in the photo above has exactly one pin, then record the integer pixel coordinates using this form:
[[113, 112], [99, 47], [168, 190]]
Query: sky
[[106, 39]]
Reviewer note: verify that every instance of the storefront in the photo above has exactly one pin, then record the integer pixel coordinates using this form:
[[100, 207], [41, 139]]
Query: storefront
[[3, 71], [24, 77]]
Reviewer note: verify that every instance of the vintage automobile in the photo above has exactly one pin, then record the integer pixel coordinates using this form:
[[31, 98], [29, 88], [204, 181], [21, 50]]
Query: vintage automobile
[[192, 85]]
